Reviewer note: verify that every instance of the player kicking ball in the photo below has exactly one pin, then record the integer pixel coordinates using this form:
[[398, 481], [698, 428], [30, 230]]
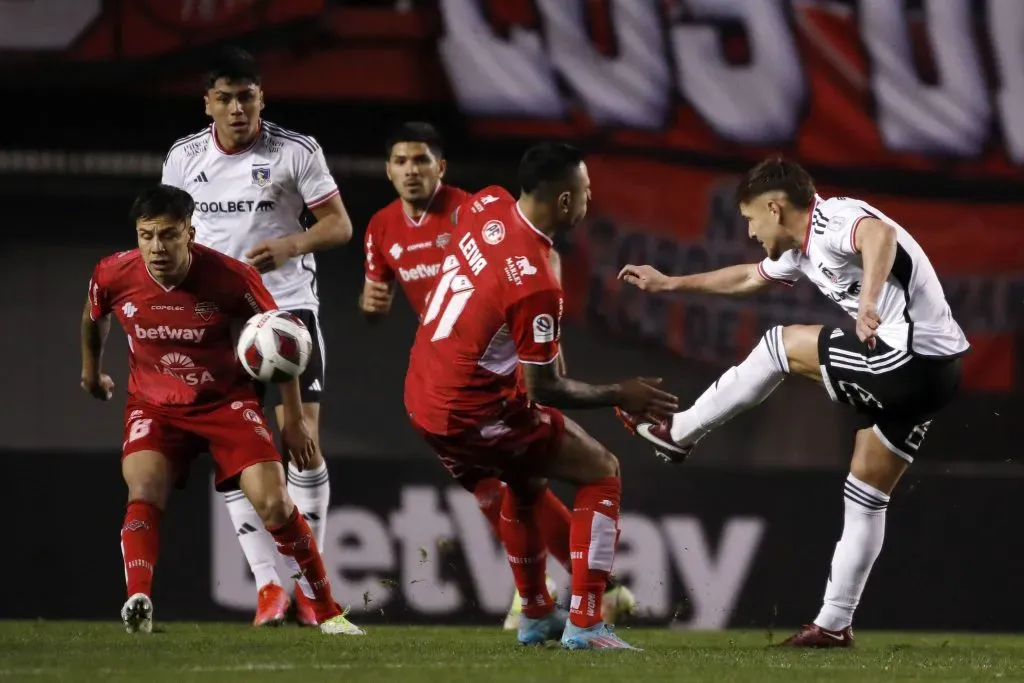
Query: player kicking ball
[[188, 394], [405, 242], [900, 367], [483, 361]]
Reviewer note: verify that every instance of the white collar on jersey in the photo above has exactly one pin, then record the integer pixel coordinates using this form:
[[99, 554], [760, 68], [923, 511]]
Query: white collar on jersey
[[532, 226], [423, 216], [172, 287]]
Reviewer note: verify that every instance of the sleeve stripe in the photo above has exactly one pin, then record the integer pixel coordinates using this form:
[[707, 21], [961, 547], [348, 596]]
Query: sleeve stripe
[[323, 200], [763, 273], [853, 234], [540, 362]]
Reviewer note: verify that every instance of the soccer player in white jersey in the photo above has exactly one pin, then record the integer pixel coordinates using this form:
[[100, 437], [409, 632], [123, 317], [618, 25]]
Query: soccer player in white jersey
[[251, 180], [899, 367]]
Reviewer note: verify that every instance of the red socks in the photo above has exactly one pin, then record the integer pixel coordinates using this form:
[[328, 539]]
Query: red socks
[[592, 540], [140, 545], [554, 520], [489, 493], [527, 554], [296, 543]]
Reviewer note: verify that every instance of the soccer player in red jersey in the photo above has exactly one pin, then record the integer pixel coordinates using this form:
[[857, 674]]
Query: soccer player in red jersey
[[485, 351], [404, 243], [179, 303]]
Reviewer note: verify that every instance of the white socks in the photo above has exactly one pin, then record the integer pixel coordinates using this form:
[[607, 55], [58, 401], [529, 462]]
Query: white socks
[[863, 533], [257, 543], [310, 490], [741, 387]]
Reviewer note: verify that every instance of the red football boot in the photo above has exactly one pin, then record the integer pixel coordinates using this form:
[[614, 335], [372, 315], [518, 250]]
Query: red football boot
[[658, 434], [272, 606], [305, 615], [812, 635]]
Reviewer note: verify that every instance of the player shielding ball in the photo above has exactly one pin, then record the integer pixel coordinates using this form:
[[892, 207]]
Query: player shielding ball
[[404, 244], [179, 302], [251, 180], [899, 369], [491, 327]]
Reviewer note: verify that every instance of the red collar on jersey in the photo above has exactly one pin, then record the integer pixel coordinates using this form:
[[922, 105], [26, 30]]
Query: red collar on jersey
[[216, 142], [417, 222], [810, 213], [547, 240], [191, 258]]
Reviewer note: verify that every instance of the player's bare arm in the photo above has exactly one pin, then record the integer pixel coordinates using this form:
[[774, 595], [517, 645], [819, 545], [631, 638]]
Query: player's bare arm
[[876, 241], [333, 228], [376, 298], [735, 280], [94, 335], [295, 433], [556, 266], [640, 395]]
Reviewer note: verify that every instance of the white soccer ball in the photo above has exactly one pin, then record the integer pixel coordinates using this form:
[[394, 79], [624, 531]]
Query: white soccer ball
[[274, 346]]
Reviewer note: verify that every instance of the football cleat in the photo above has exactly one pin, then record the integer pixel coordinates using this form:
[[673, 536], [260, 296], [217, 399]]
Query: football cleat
[[600, 636], [812, 635], [539, 631], [516, 609], [305, 615], [271, 606], [341, 626], [658, 434], [618, 603], [137, 614]]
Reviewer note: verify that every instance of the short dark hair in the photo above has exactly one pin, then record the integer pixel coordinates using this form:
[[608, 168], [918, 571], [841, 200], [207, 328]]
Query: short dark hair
[[234, 65], [548, 168], [162, 200], [777, 175], [416, 131]]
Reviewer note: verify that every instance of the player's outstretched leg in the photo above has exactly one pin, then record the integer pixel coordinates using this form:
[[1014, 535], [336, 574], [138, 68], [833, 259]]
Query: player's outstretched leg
[[874, 472], [261, 553], [147, 474], [265, 487]]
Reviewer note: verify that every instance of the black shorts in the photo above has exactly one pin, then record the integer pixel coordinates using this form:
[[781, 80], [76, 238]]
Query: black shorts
[[311, 381], [898, 391]]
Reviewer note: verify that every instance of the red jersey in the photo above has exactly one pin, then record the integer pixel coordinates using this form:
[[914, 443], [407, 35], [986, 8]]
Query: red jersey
[[496, 304], [398, 247], [181, 339]]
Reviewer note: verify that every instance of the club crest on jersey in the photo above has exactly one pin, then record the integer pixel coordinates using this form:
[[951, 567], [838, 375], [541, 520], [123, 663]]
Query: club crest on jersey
[[443, 239], [261, 176], [493, 232], [205, 310]]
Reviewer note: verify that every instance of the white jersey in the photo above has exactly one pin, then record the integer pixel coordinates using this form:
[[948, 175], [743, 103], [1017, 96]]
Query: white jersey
[[912, 306], [255, 194]]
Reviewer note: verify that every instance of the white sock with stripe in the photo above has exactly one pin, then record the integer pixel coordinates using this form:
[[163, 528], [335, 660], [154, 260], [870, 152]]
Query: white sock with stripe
[[859, 546], [311, 492], [257, 544], [741, 387]]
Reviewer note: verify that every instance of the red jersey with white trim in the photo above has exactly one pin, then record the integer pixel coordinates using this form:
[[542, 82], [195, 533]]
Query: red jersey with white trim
[[410, 251], [181, 339], [255, 194], [496, 304]]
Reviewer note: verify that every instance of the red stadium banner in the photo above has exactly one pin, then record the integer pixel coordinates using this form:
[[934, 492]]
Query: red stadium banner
[[683, 221]]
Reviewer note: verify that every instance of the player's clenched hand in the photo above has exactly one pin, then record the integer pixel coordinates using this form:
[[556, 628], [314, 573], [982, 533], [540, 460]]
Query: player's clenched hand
[[99, 386], [298, 442], [642, 396], [646, 278], [270, 254], [376, 298], [867, 323]]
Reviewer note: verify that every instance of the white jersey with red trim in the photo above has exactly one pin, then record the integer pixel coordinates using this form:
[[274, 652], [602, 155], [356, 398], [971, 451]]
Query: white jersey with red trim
[[912, 305], [255, 194]]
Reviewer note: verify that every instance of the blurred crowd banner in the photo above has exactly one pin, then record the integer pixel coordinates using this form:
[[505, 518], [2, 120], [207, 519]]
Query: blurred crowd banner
[[701, 549]]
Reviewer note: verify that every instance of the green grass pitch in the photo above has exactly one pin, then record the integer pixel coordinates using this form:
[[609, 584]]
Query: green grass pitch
[[38, 651]]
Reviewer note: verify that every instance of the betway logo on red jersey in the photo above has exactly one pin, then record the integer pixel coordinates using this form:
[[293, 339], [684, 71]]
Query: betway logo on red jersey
[[191, 334], [421, 271]]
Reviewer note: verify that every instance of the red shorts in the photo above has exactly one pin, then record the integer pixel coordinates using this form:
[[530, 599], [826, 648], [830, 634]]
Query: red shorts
[[512, 449], [235, 433]]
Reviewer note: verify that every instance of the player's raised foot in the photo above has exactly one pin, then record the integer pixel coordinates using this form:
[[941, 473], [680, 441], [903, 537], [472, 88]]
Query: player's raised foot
[[305, 615], [512, 618], [658, 434], [600, 636], [618, 603], [539, 631], [812, 635], [137, 614], [341, 626], [271, 606]]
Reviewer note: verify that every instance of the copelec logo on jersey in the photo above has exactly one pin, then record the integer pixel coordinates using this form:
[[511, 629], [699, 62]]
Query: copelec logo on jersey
[[544, 328]]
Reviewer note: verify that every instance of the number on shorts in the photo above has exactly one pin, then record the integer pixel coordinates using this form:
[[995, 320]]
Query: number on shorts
[[858, 395], [140, 428], [917, 434], [461, 290]]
